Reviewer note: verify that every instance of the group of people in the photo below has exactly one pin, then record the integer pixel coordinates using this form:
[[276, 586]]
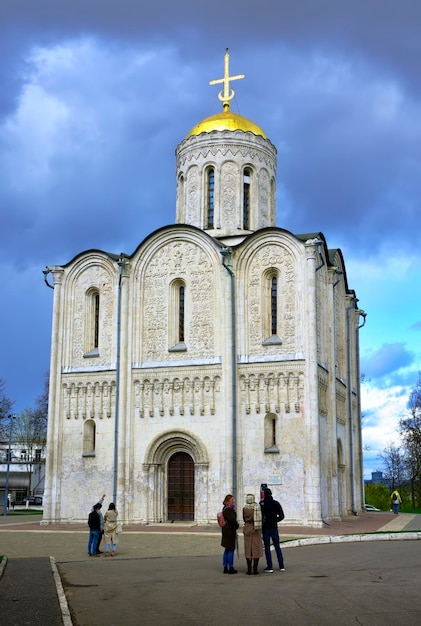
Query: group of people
[[260, 523], [103, 526]]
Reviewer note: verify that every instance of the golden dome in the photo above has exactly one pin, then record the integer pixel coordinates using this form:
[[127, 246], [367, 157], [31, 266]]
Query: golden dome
[[226, 120]]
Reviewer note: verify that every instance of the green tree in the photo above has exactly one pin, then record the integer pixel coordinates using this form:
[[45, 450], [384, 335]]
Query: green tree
[[410, 430], [378, 495]]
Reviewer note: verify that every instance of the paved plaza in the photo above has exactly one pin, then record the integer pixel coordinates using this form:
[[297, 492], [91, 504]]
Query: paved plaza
[[361, 571]]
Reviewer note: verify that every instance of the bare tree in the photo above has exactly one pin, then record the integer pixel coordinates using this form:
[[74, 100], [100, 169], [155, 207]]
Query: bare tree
[[394, 465], [42, 400], [5, 410], [30, 433]]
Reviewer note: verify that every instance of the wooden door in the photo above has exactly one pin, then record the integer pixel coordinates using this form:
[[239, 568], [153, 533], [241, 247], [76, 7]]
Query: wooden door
[[181, 487]]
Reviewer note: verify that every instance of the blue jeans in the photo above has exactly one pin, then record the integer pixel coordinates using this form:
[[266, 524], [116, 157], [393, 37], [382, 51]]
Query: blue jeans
[[228, 558], [395, 507], [268, 534], [93, 541]]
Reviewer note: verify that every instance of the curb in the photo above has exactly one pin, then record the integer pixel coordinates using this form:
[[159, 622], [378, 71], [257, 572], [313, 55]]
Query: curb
[[312, 541], [64, 607], [3, 566]]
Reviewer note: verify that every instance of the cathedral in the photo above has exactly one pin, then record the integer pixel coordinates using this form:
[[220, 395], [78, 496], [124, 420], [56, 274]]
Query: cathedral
[[220, 356]]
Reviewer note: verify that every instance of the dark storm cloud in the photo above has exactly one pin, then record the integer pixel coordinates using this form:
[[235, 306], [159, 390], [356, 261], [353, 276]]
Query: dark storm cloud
[[95, 96]]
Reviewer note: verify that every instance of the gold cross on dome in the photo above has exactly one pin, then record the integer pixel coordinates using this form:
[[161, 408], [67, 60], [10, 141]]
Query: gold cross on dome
[[227, 93]]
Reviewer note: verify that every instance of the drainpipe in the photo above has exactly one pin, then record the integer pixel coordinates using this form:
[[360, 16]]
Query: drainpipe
[[46, 272], [349, 394], [121, 262], [318, 243], [363, 314], [339, 273], [226, 252]]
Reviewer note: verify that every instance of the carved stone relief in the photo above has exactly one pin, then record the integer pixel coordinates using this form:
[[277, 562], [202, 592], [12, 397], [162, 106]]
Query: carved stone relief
[[176, 396], [91, 400], [279, 258], [188, 261], [272, 392], [229, 195], [94, 275]]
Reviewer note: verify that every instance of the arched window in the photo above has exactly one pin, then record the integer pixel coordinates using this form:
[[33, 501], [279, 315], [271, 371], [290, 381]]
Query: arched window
[[210, 197], [271, 443], [96, 319], [89, 432], [181, 313], [271, 318], [176, 316], [274, 304], [92, 323], [246, 199]]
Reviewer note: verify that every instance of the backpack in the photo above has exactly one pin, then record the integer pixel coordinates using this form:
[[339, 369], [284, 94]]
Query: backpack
[[395, 498], [280, 515], [221, 519]]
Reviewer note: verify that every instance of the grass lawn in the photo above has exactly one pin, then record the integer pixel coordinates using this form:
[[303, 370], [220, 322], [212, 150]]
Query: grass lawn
[[23, 513]]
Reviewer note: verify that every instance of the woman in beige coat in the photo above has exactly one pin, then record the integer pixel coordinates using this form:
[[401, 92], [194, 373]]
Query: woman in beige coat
[[252, 530], [110, 530]]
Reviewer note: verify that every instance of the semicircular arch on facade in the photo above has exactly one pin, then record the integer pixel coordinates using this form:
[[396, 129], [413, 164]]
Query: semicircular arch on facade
[[88, 262], [268, 238], [148, 251], [172, 441]]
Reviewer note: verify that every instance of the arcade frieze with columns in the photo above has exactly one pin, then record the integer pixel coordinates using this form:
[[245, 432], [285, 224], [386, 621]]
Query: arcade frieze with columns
[[188, 393]]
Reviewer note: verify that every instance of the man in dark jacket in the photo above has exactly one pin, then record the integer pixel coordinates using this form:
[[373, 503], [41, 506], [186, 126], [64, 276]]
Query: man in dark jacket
[[272, 513], [94, 524]]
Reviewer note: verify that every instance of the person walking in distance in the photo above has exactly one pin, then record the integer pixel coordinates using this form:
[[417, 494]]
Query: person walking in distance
[[272, 513], [396, 501]]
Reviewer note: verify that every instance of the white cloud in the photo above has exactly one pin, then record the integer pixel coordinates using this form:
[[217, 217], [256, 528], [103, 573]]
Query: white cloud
[[382, 409]]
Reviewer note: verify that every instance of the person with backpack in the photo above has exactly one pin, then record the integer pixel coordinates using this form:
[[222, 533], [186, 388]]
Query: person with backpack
[[272, 513], [229, 534], [396, 500]]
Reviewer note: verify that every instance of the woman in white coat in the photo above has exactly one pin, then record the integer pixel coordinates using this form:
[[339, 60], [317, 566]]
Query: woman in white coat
[[110, 530]]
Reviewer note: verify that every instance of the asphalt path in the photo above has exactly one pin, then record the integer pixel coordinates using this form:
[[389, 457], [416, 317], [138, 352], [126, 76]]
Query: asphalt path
[[370, 583]]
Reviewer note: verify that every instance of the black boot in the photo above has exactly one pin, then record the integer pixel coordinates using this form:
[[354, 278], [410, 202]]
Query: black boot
[[248, 566], [225, 569], [255, 564], [232, 570]]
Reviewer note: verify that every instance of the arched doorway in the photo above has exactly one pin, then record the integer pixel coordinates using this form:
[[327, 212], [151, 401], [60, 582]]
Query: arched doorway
[[181, 487]]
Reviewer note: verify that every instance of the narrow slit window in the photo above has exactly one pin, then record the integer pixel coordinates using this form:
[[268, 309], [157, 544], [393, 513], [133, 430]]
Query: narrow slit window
[[246, 199], [210, 197], [274, 305], [271, 436], [181, 294], [96, 320], [177, 316], [89, 437], [92, 316]]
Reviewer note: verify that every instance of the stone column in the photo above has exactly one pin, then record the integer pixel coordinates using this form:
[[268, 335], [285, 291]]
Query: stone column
[[312, 481], [52, 495]]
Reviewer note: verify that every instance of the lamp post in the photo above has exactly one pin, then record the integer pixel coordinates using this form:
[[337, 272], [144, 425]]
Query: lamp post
[[6, 493]]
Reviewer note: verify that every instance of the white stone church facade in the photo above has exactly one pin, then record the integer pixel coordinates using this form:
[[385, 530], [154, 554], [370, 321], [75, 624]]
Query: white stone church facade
[[220, 355]]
